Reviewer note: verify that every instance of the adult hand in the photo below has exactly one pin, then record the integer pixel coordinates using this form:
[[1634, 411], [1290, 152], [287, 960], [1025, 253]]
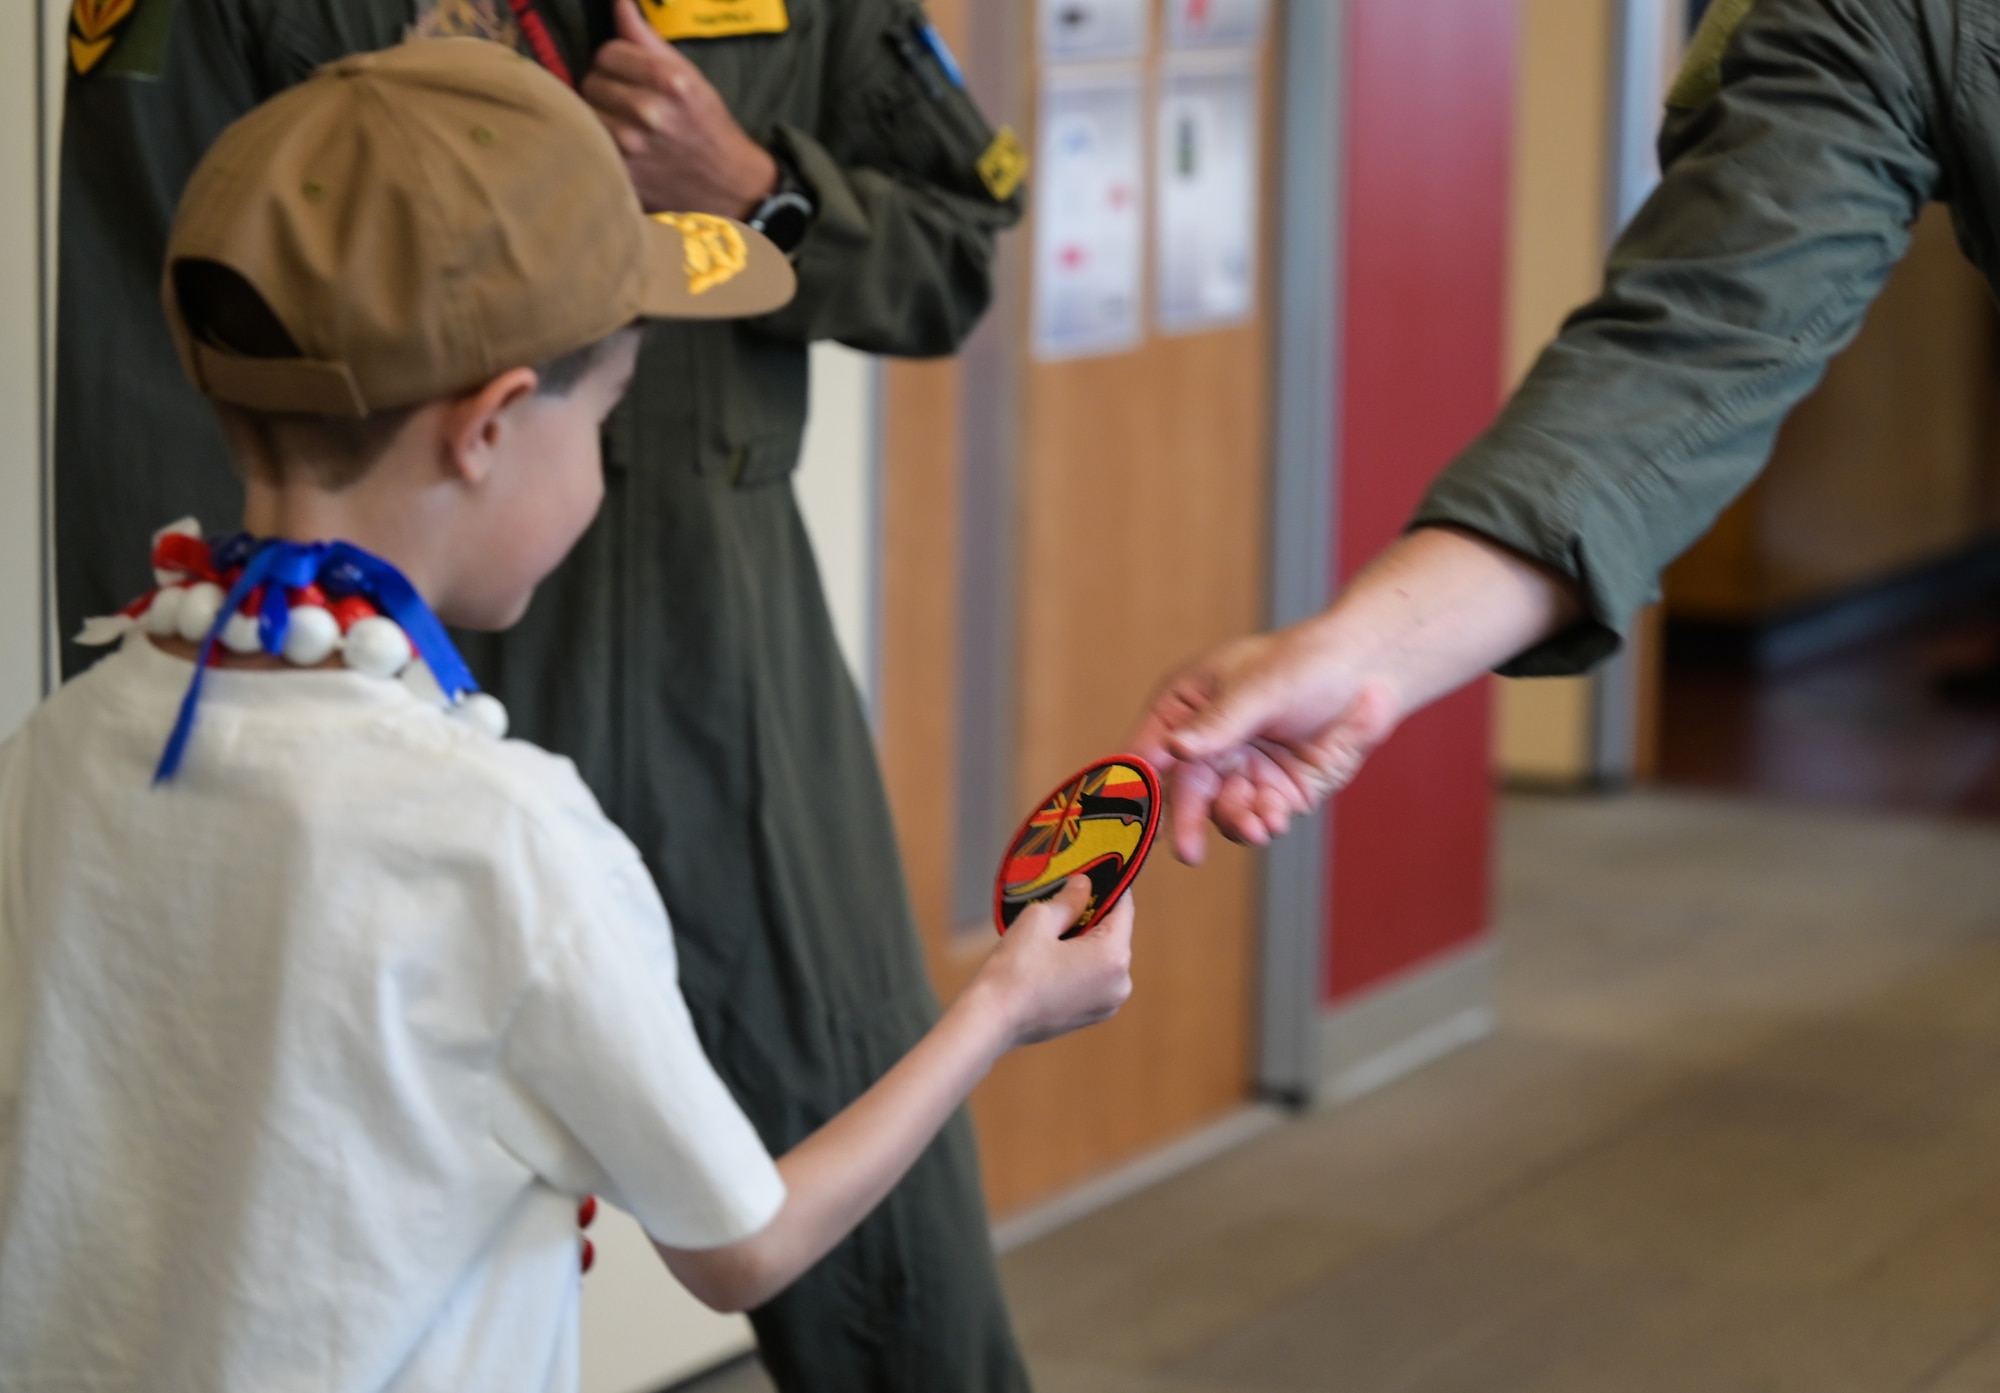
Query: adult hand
[[1264, 729], [683, 149], [1259, 731]]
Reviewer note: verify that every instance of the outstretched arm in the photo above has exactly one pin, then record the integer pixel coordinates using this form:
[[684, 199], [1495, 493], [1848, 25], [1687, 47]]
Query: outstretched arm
[[1033, 987], [1787, 197], [1263, 729]]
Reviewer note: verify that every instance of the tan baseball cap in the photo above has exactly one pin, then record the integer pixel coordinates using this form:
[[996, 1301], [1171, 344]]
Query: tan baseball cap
[[425, 217]]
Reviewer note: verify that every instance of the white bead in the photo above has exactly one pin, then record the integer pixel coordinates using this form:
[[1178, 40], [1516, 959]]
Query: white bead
[[163, 616], [311, 635], [200, 603], [483, 712], [239, 635], [377, 647], [422, 684]]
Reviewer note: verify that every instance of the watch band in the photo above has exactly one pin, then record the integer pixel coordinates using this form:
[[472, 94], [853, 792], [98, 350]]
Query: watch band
[[787, 214]]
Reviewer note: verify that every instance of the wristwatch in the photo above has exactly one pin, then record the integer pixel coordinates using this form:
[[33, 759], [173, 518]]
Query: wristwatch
[[787, 214]]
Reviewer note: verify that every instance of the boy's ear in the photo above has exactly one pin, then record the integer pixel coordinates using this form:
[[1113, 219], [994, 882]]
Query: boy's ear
[[475, 421]]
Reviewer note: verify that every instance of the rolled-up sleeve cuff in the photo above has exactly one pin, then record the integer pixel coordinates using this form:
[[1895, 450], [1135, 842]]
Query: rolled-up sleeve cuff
[[839, 214], [1593, 531]]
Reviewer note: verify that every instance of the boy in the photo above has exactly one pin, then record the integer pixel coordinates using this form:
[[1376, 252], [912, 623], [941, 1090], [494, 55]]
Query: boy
[[314, 1024]]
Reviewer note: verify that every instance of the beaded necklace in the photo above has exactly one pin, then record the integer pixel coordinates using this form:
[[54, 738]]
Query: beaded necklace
[[300, 601]]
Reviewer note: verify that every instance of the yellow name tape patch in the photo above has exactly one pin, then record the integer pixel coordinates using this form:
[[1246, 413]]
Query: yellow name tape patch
[[674, 20], [1004, 165], [712, 250]]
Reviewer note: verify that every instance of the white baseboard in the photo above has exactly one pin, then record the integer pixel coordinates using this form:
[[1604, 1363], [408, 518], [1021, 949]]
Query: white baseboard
[[1405, 1024], [1132, 1177]]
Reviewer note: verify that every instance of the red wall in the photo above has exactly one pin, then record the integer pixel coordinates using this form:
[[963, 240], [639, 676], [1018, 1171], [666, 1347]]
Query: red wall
[[1429, 133]]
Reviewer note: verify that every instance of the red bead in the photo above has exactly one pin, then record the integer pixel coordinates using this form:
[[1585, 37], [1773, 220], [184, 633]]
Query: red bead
[[589, 1255], [351, 611], [586, 1212], [308, 595]]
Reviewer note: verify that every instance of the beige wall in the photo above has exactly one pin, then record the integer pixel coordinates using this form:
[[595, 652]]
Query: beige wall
[[1562, 122], [28, 70]]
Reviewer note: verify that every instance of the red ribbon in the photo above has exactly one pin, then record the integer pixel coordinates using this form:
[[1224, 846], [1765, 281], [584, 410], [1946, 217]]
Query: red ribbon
[[177, 551]]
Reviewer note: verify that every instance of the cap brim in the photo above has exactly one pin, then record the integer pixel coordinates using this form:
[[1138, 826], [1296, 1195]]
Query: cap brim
[[700, 266]]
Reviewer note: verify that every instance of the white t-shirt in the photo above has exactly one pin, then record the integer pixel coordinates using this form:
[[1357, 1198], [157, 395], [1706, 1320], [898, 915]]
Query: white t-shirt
[[306, 1056]]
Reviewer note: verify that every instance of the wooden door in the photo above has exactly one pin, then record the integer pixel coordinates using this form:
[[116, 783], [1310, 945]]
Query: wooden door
[[1141, 484]]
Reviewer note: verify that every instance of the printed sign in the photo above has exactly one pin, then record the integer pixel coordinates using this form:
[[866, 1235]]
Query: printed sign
[[1205, 202], [1092, 29], [1089, 214]]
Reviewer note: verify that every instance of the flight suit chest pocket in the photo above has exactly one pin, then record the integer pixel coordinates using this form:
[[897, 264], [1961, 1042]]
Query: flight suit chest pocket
[[915, 112], [764, 78]]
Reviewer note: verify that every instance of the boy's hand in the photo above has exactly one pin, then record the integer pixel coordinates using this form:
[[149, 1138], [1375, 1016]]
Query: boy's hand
[[684, 150], [1049, 986]]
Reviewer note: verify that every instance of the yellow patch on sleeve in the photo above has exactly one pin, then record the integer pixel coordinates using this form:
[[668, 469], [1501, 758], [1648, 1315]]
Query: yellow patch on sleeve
[[712, 250], [674, 20], [1004, 165], [93, 29], [1701, 71]]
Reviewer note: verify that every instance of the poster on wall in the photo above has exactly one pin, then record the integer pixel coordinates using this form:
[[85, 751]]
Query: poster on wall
[[1093, 30], [1215, 23], [1089, 213], [1205, 193]]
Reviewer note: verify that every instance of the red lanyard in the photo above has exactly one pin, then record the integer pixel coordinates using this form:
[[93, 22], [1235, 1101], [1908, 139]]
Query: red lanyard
[[540, 42]]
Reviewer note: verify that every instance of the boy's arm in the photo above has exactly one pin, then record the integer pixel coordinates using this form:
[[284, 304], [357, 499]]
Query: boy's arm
[[1033, 987]]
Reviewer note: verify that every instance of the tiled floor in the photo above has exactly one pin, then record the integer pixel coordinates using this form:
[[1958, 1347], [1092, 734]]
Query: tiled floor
[[1739, 1129]]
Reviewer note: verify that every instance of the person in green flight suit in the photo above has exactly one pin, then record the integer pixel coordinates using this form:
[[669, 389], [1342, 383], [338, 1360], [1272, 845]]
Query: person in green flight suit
[[1802, 139], [721, 730]]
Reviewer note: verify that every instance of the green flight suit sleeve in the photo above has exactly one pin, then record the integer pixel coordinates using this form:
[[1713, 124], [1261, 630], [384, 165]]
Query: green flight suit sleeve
[[900, 257], [1786, 200]]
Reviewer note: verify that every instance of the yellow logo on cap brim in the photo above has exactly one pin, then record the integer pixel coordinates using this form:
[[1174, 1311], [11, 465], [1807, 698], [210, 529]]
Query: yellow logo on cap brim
[[94, 28], [1004, 165], [712, 249]]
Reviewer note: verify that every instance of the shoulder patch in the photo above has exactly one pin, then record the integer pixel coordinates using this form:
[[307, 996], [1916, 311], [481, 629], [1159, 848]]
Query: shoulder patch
[[674, 20], [1003, 165], [93, 28], [119, 38], [1700, 76]]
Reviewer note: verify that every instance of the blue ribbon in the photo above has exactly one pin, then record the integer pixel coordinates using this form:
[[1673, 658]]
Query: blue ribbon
[[340, 569]]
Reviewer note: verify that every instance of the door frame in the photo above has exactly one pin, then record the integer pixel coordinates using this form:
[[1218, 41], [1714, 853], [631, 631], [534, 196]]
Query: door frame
[[1305, 471]]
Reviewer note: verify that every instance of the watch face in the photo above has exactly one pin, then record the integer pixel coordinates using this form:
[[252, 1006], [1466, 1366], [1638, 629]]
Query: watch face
[[784, 218]]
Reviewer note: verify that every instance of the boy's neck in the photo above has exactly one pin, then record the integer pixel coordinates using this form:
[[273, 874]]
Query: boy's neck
[[387, 512]]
